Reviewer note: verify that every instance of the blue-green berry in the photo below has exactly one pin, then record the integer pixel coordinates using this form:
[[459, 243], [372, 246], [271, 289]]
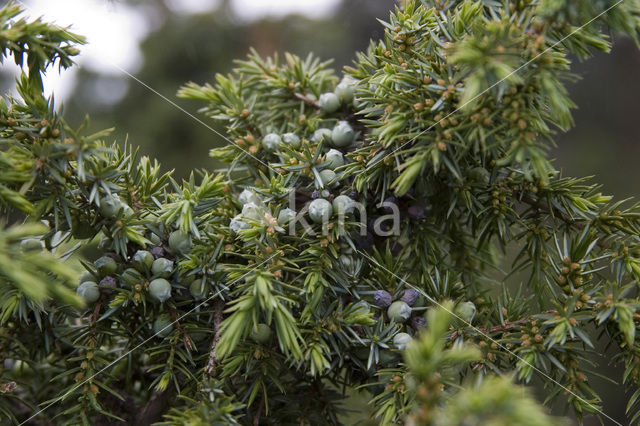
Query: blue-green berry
[[329, 102], [342, 134], [160, 289], [334, 158], [105, 266], [180, 242], [162, 267], [142, 260], [321, 135], [163, 326], [399, 311], [401, 340], [292, 140], [89, 291], [343, 205], [271, 142], [320, 210]]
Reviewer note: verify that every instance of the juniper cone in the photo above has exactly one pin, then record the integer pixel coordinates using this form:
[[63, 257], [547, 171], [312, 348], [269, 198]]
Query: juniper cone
[[290, 323]]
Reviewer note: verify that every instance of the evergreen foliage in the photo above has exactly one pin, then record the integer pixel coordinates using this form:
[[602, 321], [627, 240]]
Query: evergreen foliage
[[210, 304]]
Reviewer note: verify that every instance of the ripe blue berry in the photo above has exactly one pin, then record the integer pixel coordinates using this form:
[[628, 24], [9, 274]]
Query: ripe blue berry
[[410, 296], [418, 322], [382, 298]]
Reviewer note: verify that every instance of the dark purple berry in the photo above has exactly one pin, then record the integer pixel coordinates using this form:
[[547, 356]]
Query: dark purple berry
[[418, 322], [315, 194], [108, 282], [382, 298], [157, 252], [416, 212], [410, 296], [353, 194], [366, 242], [387, 204], [395, 248]]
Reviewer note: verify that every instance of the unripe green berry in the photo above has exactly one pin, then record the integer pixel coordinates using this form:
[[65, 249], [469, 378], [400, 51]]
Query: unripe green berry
[[326, 176], [31, 244], [110, 206], [401, 340], [131, 277], [320, 210], [261, 333], [105, 266], [321, 135], [286, 216], [271, 142], [162, 267], [237, 224], [160, 289], [329, 102], [163, 326], [89, 291], [344, 89], [87, 276], [342, 134], [142, 260], [399, 311], [198, 289], [180, 242], [248, 196], [155, 239], [292, 140], [334, 158], [465, 311], [253, 212], [480, 175], [343, 205]]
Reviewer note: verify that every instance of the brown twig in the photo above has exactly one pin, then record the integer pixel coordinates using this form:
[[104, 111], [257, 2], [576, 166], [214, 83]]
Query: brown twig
[[501, 328], [256, 418], [306, 100], [218, 307], [185, 337], [541, 205]]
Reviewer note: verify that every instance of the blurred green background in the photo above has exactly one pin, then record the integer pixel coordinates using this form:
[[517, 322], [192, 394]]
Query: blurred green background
[[195, 46]]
